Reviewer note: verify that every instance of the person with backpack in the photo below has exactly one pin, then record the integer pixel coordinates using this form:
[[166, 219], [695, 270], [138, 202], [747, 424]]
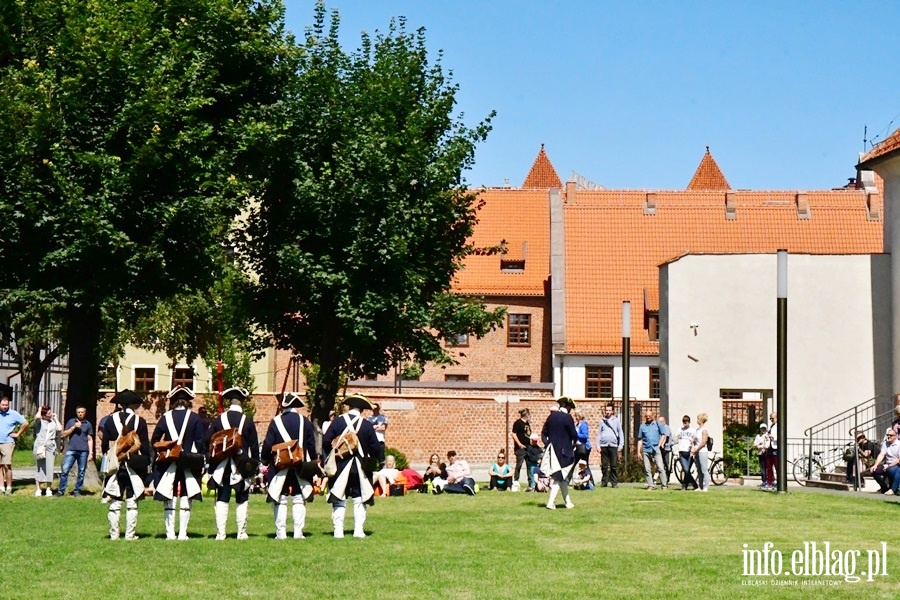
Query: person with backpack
[[233, 447], [653, 438], [178, 444], [558, 462], [700, 451], [350, 464], [127, 470], [610, 440], [289, 453]]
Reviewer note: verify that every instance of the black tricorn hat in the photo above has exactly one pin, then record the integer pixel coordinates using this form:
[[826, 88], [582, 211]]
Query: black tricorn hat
[[235, 393], [127, 398], [358, 401], [290, 400], [180, 393], [565, 402]]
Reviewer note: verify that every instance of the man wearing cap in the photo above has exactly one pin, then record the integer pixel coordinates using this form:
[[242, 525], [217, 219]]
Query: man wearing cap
[[761, 443], [864, 457], [521, 431], [294, 483], [354, 471], [559, 456], [179, 478], [226, 475], [127, 483]]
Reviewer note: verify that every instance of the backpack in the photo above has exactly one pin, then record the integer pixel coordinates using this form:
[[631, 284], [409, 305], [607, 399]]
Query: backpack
[[227, 442], [709, 443]]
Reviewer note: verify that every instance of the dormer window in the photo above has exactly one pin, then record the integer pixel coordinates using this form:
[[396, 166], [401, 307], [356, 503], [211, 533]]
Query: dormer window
[[512, 266]]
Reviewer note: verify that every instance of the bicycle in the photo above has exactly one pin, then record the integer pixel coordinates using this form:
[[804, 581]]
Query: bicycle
[[716, 469], [820, 464]]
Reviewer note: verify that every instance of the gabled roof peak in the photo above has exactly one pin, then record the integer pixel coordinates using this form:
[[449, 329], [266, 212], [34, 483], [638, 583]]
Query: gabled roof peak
[[708, 175], [542, 174]]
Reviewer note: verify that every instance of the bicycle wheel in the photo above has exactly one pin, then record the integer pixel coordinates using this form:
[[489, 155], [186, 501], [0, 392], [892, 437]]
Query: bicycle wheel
[[801, 470], [678, 471], [717, 472]]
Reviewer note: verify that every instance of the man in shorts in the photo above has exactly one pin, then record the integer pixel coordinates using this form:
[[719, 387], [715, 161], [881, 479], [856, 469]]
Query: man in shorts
[[9, 420]]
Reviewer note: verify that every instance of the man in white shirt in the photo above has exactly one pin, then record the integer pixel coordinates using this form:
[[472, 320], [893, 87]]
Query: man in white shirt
[[887, 467]]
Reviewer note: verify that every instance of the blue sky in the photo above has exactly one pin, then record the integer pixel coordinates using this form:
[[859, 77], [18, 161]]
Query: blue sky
[[628, 94]]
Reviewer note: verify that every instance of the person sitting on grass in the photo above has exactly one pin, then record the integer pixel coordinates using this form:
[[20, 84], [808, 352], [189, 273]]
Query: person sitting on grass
[[459, 477], [533, 455], [386, 476], [583, 478], [435, 473], [501, 474]]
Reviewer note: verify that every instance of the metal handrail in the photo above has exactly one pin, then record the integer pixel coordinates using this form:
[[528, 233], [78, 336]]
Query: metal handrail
[[841, 416]]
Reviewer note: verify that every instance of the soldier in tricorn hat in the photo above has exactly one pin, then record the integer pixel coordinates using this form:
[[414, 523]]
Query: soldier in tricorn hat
[[559, 457], [233, 472], [181, 477], [126, 483], [286, 481], [354, 471]]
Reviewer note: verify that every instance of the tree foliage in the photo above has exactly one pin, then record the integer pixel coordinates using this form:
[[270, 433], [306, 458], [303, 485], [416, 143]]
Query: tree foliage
[[123, 131], [364, 217]]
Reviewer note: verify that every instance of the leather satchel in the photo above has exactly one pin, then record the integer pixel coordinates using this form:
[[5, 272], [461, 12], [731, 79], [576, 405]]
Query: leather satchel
[[127, 444], [227, 442], [346, 444], [288, 455], [167, 451]]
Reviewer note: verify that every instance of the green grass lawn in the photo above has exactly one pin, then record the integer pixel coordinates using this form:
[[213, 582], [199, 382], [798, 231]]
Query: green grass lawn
[[615, 543]]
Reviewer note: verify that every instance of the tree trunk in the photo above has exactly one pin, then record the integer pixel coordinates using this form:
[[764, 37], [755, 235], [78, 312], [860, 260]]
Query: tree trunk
[[35, 361], [84, 362]]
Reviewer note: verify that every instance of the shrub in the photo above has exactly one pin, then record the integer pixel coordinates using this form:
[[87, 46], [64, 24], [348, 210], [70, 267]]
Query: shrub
[[737, 439]]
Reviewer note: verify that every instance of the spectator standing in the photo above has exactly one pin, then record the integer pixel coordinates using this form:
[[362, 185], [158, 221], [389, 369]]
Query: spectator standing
[[501, 473], [650, 442], [584, 434], [459, 476], [666, 447], [9, 420], [46, 430], [761, 443], [559, 458], [610, 440], [521, 430], [685, 439], [771, 452], [379, 423], [887, 465], [700, 453], [80, 432], [533, 459]]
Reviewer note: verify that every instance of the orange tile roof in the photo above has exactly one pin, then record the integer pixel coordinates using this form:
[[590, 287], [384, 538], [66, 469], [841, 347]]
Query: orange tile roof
[[708, 175], [542, 173], [886, 147], [613, 249], [522, 218]]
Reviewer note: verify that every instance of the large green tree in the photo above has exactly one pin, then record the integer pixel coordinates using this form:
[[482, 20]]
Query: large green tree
[[363, 217], [124, 126]]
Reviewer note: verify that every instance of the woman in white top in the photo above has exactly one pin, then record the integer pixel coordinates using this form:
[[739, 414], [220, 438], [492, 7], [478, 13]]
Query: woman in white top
[[698, 450], [388, 475], [48, 428]]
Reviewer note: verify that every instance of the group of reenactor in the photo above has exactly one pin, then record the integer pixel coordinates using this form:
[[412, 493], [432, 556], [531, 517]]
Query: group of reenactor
[[228, 450]]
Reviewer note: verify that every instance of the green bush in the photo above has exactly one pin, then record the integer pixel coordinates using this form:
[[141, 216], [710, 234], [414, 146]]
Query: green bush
[[399, 457], [737, 439]]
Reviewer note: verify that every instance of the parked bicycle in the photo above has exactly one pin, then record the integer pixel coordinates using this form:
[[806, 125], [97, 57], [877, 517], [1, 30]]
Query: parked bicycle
[[716, 469], [823, 461]]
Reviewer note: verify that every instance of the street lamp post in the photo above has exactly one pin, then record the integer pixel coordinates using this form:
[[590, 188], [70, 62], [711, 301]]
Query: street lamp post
[[782, 371], [626, 378]]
